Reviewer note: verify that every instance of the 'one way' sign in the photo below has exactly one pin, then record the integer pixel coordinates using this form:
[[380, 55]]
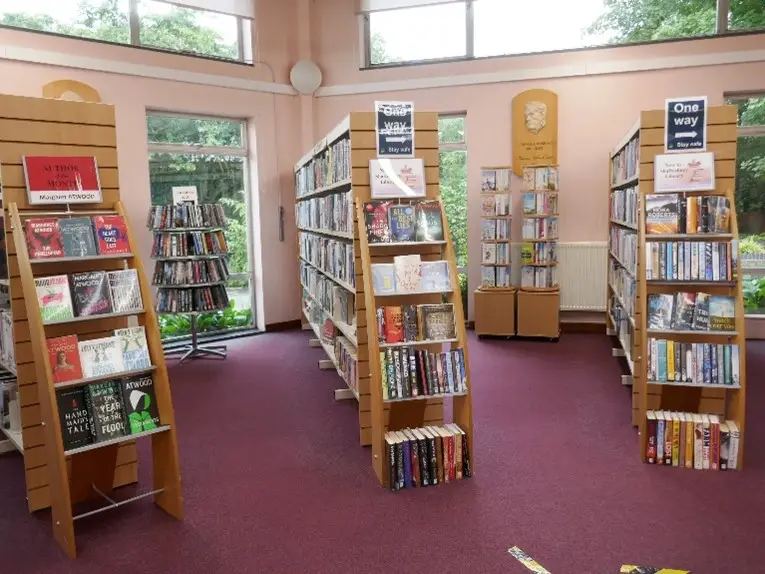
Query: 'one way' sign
[[686, 121]]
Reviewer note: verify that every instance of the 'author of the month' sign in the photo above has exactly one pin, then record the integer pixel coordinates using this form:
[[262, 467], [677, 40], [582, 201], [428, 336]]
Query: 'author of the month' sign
[[394, 127], [62, 179], [686, 121]]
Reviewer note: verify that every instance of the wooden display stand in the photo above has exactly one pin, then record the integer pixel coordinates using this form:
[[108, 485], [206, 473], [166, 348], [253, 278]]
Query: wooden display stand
[[55, 477], [539, 313], [494, 312]]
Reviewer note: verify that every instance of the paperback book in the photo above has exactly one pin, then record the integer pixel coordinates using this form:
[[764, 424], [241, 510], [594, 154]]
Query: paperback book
[[54, 298], [140, 404], [125, 291], [75, 419], [673, 213], [90, 293], [135, 348], [100, 357], [44, 238], [64, 358], [111, 232], [690, 260], [104, 401], [685, 311], [408, 372], [693, 363], [77, 237]]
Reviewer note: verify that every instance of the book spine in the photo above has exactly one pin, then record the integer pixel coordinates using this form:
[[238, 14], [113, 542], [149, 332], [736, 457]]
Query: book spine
[[698, 444], [660, 441], [734, 446], [675, 441], [706, 444], [689, 428], [668, 440], [650, 453]]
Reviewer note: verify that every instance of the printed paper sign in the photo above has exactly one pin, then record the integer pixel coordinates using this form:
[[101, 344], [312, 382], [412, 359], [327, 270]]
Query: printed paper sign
[[394, 128], [397, 178], [185, 195], [684, 172], [686, 124], [62, 179]]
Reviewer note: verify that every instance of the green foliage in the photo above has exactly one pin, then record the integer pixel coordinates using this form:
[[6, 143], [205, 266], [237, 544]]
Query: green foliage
[[172, 326], [378, 51], [752, 245], [462, 277], [236, 233], [754, 293]]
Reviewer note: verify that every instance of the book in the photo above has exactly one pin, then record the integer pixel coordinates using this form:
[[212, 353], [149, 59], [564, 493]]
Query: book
[[685, 305], [429, 224], [104, 401], [661, 213], [722, 313], [660, 307], [54, 298], [139, 404], [689, 260], [101, 357], [435, 276], [111, 234], [376, 219], [695, 363], [90, 293], [74, 417], [407, 273], [403, 225], [44, 238], [77, 237], [393, 324], [134, 347], [64, 357], [125, 291], [437, 321]]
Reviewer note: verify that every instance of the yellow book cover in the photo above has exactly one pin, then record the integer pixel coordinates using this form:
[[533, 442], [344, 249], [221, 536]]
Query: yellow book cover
[[689, 443], [675, 440], [692, 214], [384, 376], [670, 361]]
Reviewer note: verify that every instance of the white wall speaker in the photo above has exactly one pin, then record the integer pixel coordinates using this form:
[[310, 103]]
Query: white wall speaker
[[305, 77]]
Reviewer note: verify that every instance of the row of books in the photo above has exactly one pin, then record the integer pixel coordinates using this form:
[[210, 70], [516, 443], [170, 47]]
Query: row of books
[[189, 244], [107, 410], [331, 213], [691, 260], [169, 217], [622, 243], [330, 255], [409, 323], [693, 363], [173, 273], [343, 352], [624, 205], [622, 325], [539, 277], [63, 297], [495, 229], [496, 205], [427, 456], [685, 311], [539, 253], [72, 359], [347, 362], [541, 203], [625, 164], [540, 228], [691, 440], [624, 285], [407, 372], [495, 180], [408, 274], [672, 213], [495, 254], [7, 347], [542, 178], [331, 166], [50, 238], [389, 222], [192, 300], [335, 300], [495, 276]]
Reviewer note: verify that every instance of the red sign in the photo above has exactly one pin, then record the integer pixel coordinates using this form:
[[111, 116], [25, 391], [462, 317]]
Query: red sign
[[60, 179]]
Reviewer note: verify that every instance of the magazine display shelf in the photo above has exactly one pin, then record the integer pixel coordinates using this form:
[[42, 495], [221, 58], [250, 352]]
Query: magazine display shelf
[[727, 401], [57, 478]]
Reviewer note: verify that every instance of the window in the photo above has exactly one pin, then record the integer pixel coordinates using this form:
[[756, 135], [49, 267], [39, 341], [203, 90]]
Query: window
[[746, 15], [750, 199], [211, 154], [148, 23], [453, 179]]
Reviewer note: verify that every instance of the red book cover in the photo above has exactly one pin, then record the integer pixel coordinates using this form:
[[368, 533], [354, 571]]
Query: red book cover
[[394, 325], [64, 359], [111, 232], [44, 238]]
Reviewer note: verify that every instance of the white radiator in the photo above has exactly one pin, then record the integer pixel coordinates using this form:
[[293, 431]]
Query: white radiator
[[581, 275]]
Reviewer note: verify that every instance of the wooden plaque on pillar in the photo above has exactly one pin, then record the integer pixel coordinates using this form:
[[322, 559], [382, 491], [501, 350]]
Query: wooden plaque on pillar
[[535, 129]]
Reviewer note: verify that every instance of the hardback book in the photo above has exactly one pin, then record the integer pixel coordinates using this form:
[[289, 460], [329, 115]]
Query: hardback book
[[685, 305], [488, 229], [489, 205], [410, 324], [661, 215], [125, 291], [101, 357], [435, 275], [139, 402], [44, 238], [90, 292], [376, 218], [54, 298], [402, 222], [429, 224], [660, 311], [383, 278], [701, 312], [394, 324], [64, 357], [105, 404], [437, 321], [111, 231], [529, 203], [488, 253], [135, 349], [722, 313], [77, 237], [74, 416], [488, 180], [408, 276]]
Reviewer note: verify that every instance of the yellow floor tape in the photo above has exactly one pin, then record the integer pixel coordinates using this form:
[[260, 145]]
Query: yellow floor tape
[[527, 560], [627, 569]]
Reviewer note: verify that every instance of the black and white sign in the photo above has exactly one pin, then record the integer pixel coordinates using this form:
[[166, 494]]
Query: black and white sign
[[686, 121], [394, 127]]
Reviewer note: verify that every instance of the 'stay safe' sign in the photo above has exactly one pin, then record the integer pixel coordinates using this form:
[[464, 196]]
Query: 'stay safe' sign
[[62, 179], [394, 127], [686, 124]]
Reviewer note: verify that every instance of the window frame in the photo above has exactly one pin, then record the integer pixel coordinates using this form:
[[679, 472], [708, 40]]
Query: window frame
[[454, 146], [134, 26]]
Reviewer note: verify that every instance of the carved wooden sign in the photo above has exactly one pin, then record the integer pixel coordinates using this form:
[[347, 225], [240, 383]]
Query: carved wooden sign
[[535, 129]]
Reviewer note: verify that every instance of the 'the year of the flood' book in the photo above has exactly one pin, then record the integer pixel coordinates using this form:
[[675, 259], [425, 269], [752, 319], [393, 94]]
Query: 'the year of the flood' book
[[74, 417], [105, 403], [90, 291], [77, 237], [64, 357], [44, 238], [140, 404]]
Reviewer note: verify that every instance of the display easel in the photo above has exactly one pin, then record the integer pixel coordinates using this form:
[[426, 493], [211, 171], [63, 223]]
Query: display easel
[[55, 477]]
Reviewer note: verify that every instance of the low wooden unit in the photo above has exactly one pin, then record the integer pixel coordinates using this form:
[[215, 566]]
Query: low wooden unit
[[495, 312], [538, 313]]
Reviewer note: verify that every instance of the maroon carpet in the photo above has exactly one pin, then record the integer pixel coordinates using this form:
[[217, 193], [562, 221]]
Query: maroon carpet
[[274, 479]]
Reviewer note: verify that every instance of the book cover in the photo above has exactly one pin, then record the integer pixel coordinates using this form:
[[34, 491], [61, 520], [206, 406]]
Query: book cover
[[54, 298], [402, 223], [383, 278], [135, 348], [376, 219], [77, 237], [105, 404], [90, 293], [411, 328], [529, 203], [74, 417], [488, 253], [407, 270], [429, 224], [489, 205], [701, 312], [111, 232], [734, 438], [650, 453], [394, 328], [64, 357], [437, 321], [661, 214], [722, 313], [140, 404], [660, 306], [125, 291], [101, 357], [685, 305], [435, 276], [724, 446], [44, 238], [488, 180]]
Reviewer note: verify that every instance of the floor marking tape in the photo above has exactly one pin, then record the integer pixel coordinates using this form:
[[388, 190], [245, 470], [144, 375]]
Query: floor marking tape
[[628, 569], [527, 560]]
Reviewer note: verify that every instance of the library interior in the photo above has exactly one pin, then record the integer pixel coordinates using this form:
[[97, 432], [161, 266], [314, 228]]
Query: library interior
[[279, 278]]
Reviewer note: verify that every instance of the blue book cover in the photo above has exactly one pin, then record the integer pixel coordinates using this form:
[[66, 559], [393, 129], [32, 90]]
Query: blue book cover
[[407, 464], [707, 364], [670, 261], [403, 225], [726, 363], [662, 362], [699, 363], [660, 440], [688, 259], [708, 261]]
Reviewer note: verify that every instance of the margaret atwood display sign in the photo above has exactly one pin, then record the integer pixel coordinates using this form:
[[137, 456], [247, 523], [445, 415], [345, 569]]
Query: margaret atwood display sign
[[535, 129], [62, 179]]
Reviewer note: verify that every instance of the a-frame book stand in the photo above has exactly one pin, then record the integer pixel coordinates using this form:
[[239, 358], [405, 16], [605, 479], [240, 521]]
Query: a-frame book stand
[[90, 472]]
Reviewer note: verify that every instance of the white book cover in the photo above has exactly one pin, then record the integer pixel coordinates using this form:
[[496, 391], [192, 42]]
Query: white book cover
[[383, 278], [527, 277], [435, 275], [529, 179], [488, 253], [101, 357], [735, 367], [135, 349], [125, 290], [408, 275], [488, 278], [706, 438], [54, 298], [735, 436]]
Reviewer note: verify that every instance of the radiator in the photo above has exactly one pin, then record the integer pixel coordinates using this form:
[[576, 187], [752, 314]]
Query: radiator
[[581, 275]]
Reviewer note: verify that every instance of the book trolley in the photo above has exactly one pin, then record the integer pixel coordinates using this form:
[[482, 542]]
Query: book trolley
[[55, 477], [631, 254]]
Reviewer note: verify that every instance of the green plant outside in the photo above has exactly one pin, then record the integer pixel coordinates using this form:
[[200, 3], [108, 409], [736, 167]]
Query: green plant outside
[[174, 326]]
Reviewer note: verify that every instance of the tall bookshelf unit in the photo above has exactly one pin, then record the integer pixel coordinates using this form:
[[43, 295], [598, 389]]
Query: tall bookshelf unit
[[728, 401], [55, 477]]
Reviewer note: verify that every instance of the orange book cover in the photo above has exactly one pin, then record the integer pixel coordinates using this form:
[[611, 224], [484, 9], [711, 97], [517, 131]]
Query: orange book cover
[[661, 215], [394, 324]]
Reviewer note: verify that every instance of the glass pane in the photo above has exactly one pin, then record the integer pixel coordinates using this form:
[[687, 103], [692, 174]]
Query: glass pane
[[411, 34], [453, 176], [451, 129], [96, 19], [195, 131], [746, 15], [185, 30], [751, 111]]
